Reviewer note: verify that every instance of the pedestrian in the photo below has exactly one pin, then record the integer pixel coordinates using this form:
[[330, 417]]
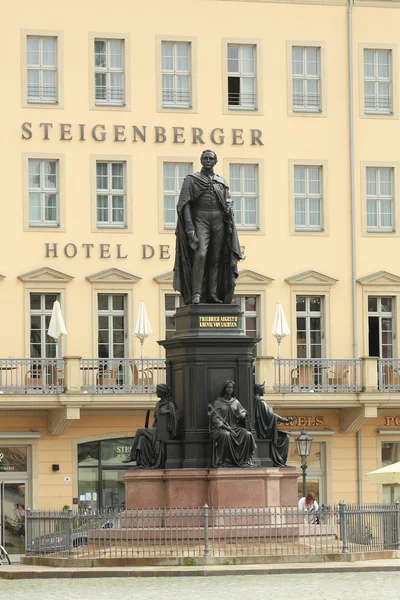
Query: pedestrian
[[309, 505]]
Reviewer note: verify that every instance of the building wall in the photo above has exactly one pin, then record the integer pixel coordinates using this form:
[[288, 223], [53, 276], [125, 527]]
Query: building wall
[[274, 251]]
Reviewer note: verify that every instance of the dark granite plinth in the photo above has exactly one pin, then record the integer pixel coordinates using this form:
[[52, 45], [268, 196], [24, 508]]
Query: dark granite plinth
[[208, 347]]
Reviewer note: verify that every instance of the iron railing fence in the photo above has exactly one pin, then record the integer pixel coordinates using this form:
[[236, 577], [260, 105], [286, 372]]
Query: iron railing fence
[[369, 527], [122, 375], [389, 374], [317, 375], [214, 532], [31, 375]]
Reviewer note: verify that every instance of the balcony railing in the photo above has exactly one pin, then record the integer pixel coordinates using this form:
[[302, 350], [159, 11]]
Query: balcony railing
[[31, 375], [123, 375], [389, 374], [141, 376], [317, 375]]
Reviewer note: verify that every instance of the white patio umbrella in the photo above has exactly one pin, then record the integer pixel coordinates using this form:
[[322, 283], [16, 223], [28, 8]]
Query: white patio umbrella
[[280, 328], [389, 475], [142, 328], [56, 326]]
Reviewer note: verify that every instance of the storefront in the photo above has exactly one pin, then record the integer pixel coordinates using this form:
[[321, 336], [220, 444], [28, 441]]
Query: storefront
[[100, 472], [14, 495]]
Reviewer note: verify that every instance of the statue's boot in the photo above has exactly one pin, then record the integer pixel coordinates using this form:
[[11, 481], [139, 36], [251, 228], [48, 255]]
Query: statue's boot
[[215, 299], [128, 460], [196, 299]]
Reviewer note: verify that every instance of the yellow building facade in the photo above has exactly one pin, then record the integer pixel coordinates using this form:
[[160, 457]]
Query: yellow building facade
[[104, 112]]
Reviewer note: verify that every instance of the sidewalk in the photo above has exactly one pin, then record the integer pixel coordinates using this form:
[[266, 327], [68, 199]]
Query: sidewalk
[[18, 571]]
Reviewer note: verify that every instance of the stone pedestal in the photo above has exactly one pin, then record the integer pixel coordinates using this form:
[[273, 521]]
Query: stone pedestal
[[208, 347], [192, 488]]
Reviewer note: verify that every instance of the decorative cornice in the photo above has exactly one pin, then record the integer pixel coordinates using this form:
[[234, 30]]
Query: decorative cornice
[[45, 275], [165, 277], [311, 278], [380, 278], [113, 275], [246, 276]]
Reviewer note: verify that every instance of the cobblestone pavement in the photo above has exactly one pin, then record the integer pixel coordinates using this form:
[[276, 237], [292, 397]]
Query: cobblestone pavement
[[321, 586]]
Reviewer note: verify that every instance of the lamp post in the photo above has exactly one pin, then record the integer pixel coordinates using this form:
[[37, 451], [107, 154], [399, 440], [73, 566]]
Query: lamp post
[[303, 444]]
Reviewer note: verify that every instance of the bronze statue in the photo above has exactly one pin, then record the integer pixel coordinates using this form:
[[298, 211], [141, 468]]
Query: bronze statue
[[234, 445], [149, 447], [207, 244], [266, 426]]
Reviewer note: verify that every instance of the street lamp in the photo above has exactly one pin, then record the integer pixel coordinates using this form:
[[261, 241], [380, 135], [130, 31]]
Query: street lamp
[[303, 444]]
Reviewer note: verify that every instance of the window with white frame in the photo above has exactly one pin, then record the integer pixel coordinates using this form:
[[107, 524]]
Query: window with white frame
[[175, 65], [381, 332], [244, 192], [306, 79], [308, 198], [249, 308], [41, 59], [309, 326], [242, 76], [379, 186], [41, 308], [111, 325], [173, 176], [109, 72], [171, 303], [110, 194], [378, 81], [43, 192]]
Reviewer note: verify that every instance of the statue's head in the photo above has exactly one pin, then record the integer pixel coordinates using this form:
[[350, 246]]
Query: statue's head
[[208, 159], [227, 387], [259, 388], [163, 391]]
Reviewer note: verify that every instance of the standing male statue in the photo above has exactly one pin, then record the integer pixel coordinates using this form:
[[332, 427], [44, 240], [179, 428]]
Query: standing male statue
[[207, 244]]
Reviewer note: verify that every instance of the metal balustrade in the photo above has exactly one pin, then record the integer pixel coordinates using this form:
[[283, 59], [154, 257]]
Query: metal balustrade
[[31, 375], [222, 533], [317, 375], [389, 374], [122, 375]]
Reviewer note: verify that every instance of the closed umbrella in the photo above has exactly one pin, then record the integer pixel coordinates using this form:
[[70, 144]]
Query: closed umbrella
[[389, 475], [57, 326], [280, 328], [142, 328]]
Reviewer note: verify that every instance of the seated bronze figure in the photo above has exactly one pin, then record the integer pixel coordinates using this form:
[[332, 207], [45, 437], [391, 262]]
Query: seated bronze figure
[[149, 445], [234, 445], [266, 426]]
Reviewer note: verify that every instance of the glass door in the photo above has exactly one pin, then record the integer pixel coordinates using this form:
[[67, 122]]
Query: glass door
[[12, 515]]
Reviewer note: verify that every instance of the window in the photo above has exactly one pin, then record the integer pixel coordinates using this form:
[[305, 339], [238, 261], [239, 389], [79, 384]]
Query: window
[[306, 79], [309, 331], [315, 468], [377, 81], [110, 194], [380, 326], [308, 198], [43, 192], [42, 68], [249, 308], [175, 66], [242, 76], [100, 472], [379, 199], [171, 303], [173, 176], [111, 325], [109, 72], [41, 344], [244, 192]]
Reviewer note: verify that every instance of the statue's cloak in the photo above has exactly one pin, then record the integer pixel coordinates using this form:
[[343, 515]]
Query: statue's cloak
[[193, 186]]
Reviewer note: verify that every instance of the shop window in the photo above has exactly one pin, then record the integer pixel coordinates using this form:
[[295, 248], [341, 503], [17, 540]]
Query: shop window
[[100, 472]]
